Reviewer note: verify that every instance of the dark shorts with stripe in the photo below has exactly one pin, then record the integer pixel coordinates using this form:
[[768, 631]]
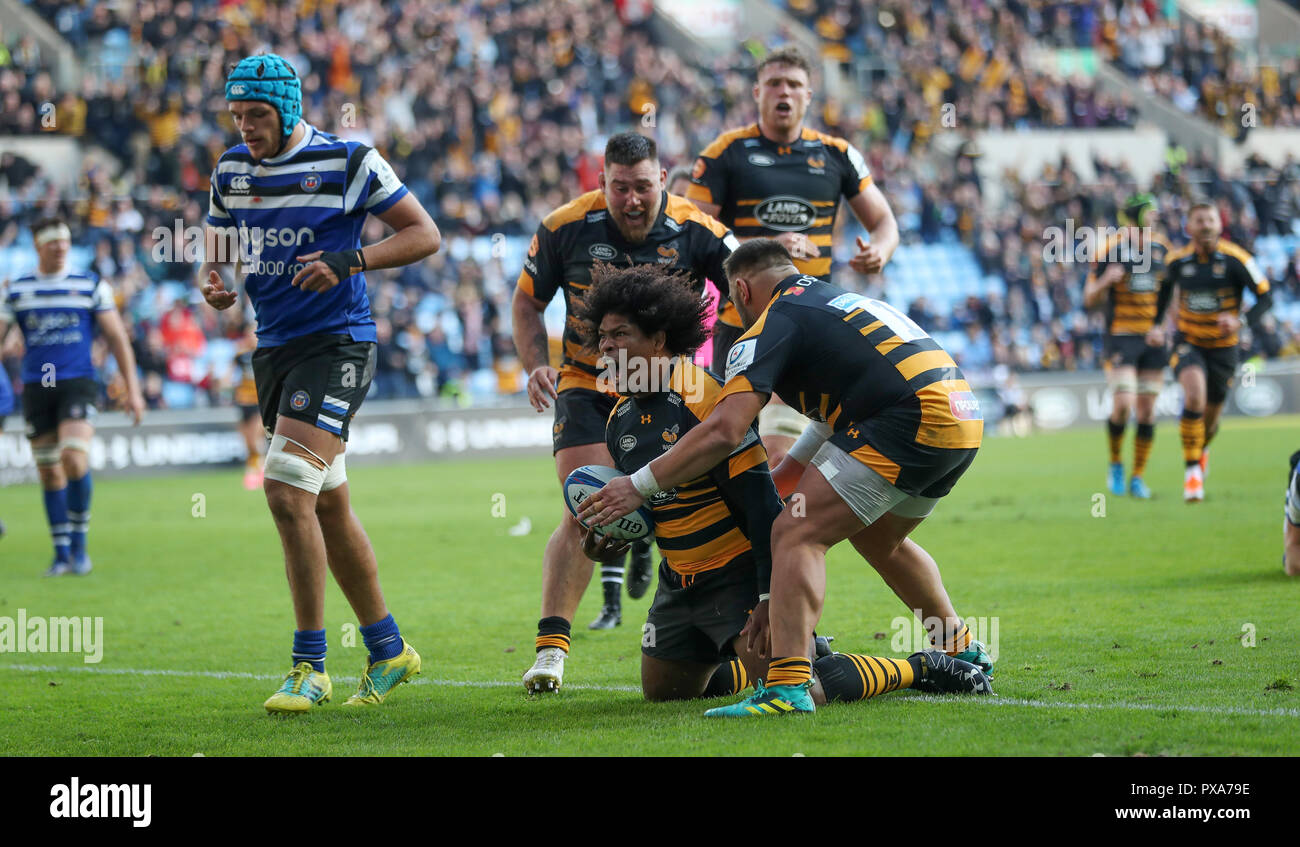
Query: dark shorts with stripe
[[47, 406], [1133, 351], [696, 618], [317, 379], [1219, 364], [580, 418], [913, 468]]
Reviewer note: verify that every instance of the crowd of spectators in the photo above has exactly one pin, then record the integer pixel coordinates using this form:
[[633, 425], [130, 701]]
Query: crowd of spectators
[[975, 52], [494, 112]]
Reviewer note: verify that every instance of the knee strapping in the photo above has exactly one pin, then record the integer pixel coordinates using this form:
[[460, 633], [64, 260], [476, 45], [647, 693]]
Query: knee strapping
[[336, 475], [295, 469], [1149, 386], [75, 444], [1124, 384], [47, 455]]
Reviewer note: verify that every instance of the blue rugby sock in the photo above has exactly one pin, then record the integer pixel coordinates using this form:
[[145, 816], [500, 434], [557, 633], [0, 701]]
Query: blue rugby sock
[[56, 513], [79, 513], [383, 639], [309, 646]]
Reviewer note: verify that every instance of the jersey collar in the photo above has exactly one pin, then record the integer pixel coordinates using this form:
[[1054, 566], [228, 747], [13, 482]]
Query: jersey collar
[[295, 149]]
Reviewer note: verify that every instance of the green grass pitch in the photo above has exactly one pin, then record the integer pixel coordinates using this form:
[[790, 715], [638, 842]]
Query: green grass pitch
[[1117, 634]]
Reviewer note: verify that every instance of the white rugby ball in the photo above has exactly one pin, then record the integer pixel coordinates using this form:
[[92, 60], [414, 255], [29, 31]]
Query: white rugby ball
[[586, 481]]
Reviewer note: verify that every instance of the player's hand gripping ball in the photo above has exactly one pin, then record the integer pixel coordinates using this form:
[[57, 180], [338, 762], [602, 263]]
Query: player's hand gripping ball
[[589, 479]]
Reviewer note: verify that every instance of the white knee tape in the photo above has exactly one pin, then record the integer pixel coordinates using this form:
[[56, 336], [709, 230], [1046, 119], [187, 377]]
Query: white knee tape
[[46, 456], [75, 444], [336, 475], [292, 469], [1149, 386], [779, 419], [1121, 385]]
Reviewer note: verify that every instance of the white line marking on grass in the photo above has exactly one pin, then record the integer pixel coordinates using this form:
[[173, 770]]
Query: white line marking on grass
[[498, 683], [268, 677]]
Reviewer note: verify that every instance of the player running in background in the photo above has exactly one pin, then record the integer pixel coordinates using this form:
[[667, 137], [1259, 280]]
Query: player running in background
[[715, 529], [297, 199], [1210, 274], [1125, 278], [6, 402], [245, 397], [897, 426], [59, 311], [780, 179], [629, 220], [1291, 526]]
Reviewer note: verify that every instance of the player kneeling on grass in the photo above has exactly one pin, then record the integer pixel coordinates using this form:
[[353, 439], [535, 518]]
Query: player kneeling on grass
[[705, 635], [899, 426]]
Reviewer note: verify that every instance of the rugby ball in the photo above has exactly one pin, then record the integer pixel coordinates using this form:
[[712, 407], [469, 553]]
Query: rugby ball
[[586, 481]]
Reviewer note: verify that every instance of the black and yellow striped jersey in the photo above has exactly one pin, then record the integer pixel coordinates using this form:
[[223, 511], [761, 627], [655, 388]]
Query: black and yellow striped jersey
[[863, 367], [578, 234], [716, 518], [1131, 302], [1208, 288], [764, 188]]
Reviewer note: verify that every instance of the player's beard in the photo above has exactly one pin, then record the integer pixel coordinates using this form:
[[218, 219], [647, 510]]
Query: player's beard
[[643, 225]]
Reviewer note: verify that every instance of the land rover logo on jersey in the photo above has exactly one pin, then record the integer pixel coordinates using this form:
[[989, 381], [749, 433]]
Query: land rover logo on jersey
[[310, 182], [1142, 283], [785, 213], [663, 497], [1201, 301], [602, 251], [626, 443], [761, 159], [299, 400], [240, 182]]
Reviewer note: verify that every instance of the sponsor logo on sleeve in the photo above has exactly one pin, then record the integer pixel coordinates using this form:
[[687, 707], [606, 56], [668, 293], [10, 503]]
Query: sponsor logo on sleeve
[[740, 357], [965, 406]]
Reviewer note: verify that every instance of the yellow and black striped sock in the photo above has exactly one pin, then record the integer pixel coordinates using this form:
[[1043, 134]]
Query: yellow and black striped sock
[[954, 644], [1192, 429], [553, 632], [848, 677], [730, 678], [788, 670], [1115, 433], [1146, 433]]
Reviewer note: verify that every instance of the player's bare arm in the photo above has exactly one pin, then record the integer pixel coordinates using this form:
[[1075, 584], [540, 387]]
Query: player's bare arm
[[415, 237], [216, 274], [534, 347], [110, 324], [694, 454], [872, 209], [1094, 290]]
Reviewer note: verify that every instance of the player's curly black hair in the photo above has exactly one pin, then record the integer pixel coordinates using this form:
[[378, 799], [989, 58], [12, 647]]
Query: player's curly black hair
[[654, 298]]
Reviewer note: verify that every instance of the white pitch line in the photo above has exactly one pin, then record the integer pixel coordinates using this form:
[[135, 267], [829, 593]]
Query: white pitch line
[[498, 683]]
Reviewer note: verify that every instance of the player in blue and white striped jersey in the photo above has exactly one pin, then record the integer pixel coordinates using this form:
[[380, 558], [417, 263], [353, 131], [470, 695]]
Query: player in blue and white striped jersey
[[288, 204], [59, 312]]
